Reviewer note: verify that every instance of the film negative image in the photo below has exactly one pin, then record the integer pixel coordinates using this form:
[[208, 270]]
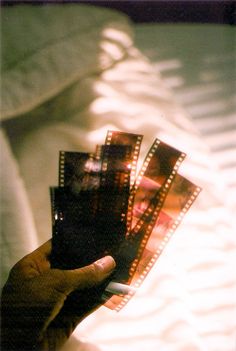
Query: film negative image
[[143, 197], [133, 140]]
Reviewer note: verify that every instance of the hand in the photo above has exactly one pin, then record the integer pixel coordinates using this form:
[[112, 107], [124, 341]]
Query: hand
[[36, 313]]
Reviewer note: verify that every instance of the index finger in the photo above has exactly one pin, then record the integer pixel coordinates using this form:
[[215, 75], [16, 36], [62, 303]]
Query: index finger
[[40, 256], [43, 252], [34, 263], [45, 249]]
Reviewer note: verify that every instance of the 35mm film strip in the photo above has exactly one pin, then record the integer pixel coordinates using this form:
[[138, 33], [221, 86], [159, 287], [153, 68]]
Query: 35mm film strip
[[134, 140], [180, 197], [151, 189], [90, 205], [101, 207]]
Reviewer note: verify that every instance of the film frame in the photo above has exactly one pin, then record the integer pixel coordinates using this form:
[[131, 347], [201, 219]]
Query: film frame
[[135, 140]]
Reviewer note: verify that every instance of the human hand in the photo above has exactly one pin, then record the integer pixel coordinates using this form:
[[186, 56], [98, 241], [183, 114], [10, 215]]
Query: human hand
[[35, 305]]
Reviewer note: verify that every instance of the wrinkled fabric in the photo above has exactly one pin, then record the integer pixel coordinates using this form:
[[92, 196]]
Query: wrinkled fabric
[[187, 303]]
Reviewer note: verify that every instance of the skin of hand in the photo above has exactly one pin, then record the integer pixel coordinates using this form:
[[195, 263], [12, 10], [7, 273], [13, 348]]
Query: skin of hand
[[35, 305]]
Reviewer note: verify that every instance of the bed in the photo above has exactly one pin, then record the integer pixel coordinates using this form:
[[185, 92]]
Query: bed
[[70, 73]]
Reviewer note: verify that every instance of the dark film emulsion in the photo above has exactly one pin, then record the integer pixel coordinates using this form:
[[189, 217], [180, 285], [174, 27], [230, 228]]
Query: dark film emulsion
[[90, 206]]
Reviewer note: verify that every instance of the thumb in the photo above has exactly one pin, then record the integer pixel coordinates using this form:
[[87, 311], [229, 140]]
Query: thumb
[[86, 277]]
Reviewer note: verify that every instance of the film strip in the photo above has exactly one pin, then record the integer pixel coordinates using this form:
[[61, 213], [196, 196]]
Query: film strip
[[155, 177], [92, 198], [149, 197], [180, 197], [134, 140], [107, 168], [115, 184], [151, 189], [100, 207], [72, 166]]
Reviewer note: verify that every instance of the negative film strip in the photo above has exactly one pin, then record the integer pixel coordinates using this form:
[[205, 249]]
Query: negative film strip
[[180, 197], [92, 199], [72, 166], [115, 184], [134, 140], [101, 207], [155, 177], [153, 183]]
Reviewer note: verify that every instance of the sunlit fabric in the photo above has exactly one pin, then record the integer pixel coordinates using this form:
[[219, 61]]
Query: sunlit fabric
[[208, 95], [168, 85], [188, 302]]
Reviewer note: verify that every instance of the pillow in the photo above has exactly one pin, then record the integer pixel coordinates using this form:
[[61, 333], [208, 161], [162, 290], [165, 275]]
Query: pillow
[[107, 84], [47, 48]]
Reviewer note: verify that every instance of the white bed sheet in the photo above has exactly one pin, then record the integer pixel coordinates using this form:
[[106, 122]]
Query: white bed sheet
[[187, 303]]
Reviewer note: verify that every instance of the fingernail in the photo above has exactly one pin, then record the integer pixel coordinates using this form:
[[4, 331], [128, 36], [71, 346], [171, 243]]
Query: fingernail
[[107, 263]]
